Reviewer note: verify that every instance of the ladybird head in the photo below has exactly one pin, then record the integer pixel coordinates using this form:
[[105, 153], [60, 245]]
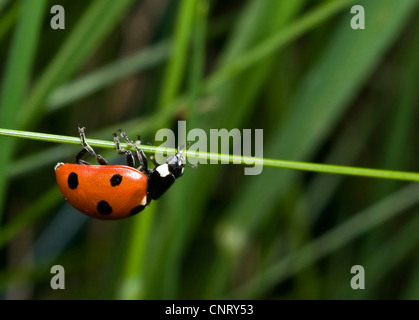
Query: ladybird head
[[177, 163]]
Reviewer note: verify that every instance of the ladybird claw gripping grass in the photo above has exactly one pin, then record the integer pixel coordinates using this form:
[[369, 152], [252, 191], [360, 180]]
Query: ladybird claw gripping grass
[[116, 191]]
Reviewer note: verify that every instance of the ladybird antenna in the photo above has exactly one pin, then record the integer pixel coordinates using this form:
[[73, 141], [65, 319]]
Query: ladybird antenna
[[181, 151], [183, 148]]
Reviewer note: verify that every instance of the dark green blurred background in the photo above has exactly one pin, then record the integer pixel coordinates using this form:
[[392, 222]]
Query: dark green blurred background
[[321, 91]]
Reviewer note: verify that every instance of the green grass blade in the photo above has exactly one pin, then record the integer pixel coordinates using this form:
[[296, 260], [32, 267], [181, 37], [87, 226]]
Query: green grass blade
[[411, 290], [93, 26], [400, 131], [107, 75], [132, 283], [198, 59], [175, 70], [295, 165], [234, 100], [333, 240], [30, 215], [20, 59], [320, 191], [321, 99], [403, 123], [17, 73], [270, 45], [3, 3], [338, 75], [9, 18], [402, 244]]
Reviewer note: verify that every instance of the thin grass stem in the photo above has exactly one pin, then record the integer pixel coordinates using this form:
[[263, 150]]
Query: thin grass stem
[[236, 159]]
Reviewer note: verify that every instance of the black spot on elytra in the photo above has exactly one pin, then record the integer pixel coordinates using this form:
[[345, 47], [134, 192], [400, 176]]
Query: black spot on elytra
[[116, 180], [73, 180], [104, 208], [136, 210]]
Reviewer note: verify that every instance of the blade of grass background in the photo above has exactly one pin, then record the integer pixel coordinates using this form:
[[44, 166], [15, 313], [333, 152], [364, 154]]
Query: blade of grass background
[[97, 21], [265, 48], [176, 73], [280, 85], [411, 290], [22, 275], [322, 97], [315, 196], [401, 124], [322, 187], [39, 272], [318, 194], [235, 98], [3, 3], [384, 259], [228, 158], [126, 66], [399, 140], [279, 89], [173, 79], [331, 241], [175, 69], [17, 73], [9, 18], [222, 75], [197, 64], [272, 43], [201, 180], [38, 160], [404, 111], [195, 73], [132, 283], [307, 22], [60, 99], [30, 215], [92, 82]]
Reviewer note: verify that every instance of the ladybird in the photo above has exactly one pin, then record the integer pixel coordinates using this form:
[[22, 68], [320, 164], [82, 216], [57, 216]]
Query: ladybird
[[116, 191]]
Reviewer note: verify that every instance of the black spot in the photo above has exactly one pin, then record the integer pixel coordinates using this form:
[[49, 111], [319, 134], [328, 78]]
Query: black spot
[[136, 210], [104, 208], [73, 180], [116, 180]]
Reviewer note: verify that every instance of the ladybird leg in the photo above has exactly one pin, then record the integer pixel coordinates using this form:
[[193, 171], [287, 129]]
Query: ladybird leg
[[143, 161], [128, 154], [88, 148], [140, 153], [80, 155], [153, 159]]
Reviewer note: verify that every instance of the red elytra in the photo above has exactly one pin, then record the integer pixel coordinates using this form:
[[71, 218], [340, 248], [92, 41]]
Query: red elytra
[[104, 192]]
